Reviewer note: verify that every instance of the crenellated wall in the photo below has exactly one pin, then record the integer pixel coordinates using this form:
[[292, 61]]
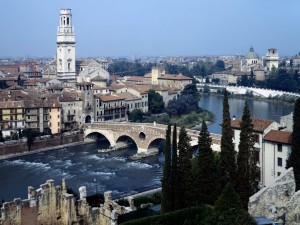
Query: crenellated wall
[[52, 205]]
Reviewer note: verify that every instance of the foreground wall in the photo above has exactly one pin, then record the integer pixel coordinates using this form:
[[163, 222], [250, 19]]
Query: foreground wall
[[278, 201], [52, 205]]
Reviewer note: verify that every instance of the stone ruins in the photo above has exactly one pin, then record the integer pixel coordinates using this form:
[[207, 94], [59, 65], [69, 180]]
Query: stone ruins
[[279, 201], [52, 205]]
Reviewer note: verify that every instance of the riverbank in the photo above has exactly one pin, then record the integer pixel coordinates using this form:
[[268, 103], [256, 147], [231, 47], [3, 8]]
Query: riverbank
[[280, 99], [2, 157]]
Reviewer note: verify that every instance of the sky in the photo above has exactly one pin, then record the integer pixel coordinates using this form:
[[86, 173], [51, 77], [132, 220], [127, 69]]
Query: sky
[[118, 28]]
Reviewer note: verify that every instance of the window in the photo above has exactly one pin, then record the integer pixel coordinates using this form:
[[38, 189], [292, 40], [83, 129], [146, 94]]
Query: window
[[256, 138], [232, 133], [57, 116], [279, 161], [58, 123], [256, 154], [49, 124], [279, 147], [278, 174]]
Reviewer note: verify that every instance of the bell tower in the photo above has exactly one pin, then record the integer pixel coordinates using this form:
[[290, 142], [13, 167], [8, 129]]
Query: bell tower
[[65, 54]]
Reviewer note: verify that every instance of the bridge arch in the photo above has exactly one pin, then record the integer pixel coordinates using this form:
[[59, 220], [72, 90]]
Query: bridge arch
[[100, 136], [156, 145], [124, 141]]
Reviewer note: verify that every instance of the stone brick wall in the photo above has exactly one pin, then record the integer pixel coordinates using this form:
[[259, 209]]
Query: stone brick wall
[[7, 149], [52, 205]]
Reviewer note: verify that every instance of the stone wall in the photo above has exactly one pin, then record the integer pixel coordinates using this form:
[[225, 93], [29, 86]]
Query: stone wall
[[279, 201], [52, 205], [7, 149]]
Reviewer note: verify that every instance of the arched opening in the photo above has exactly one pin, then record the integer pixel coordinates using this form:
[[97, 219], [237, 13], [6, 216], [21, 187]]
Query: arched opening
[[142, 136], [126, 146], [157, 145], [88, 119], [95, 136]]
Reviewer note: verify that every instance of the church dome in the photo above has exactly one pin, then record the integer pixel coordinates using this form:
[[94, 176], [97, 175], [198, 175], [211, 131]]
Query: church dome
[[252, 54]]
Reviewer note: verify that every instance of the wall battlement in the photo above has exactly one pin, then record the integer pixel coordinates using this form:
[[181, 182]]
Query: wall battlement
[[51, 204]]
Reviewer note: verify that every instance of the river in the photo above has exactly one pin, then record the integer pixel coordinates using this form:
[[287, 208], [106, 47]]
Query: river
[[82, 164], [259, 109]]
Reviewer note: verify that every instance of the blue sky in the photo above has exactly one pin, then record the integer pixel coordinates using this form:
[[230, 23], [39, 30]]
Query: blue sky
[[152, 28]]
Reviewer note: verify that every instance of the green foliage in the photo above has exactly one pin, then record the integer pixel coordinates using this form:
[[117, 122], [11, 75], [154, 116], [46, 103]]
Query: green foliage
[[228, 210], [220, 65], [191, 90], [281, 79], [205, 179], [166, 198], [3, 84], [136, 115], [1, 136], [15, 136], [227, 160], [180, 217], [185, 185], [155, 102], [30, 135], [294, 157], [126, 68], [174, 171], [47, 131], [246, 165]]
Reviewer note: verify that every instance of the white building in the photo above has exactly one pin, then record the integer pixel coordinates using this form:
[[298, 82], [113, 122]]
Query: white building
[[65, 54], [276, 150], [272, 147], [272, 59], [251, 61]]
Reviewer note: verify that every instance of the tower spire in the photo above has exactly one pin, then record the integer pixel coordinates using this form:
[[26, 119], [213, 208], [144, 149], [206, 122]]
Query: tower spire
[[65, 55]]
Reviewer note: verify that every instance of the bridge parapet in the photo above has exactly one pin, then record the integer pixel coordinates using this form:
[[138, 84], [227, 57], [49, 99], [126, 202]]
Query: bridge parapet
[[143, 134]]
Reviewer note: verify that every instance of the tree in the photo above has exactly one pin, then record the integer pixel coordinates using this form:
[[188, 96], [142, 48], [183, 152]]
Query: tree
[[30, 135], [184, 169], [191, 89], [220, 65], [166, 198], [227, 160], [156, 103], [228, 210], [174, 172], [1, 136], [205, 180], [294, 157], [136, 115], [246, 164]]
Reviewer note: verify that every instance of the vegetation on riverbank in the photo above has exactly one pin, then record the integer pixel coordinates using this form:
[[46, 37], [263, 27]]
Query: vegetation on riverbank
[[183, 110]]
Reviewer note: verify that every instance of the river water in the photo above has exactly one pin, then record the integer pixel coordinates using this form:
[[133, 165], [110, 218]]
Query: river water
[[259, 109], [80, 166], [99, 172]]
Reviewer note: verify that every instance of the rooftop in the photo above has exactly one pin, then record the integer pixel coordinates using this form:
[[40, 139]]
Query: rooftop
[[279, 136], [259, 125]]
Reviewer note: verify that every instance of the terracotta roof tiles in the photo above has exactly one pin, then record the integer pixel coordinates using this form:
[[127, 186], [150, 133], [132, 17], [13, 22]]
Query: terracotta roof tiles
[[284, 137], [259, 125]]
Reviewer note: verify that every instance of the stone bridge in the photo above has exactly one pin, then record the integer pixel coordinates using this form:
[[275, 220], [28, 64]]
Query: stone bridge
[[143, 134]]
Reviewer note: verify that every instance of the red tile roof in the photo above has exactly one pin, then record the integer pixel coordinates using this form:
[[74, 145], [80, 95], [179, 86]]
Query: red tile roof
[[107, 98], [284, 137], [259, 125]]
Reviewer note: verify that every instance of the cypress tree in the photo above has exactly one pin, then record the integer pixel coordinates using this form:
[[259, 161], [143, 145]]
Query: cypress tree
[[174, 176], [294, 157], [205, 180], [227, 159], [184, 170], [166, 198], [246, 164], [228, 209]]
